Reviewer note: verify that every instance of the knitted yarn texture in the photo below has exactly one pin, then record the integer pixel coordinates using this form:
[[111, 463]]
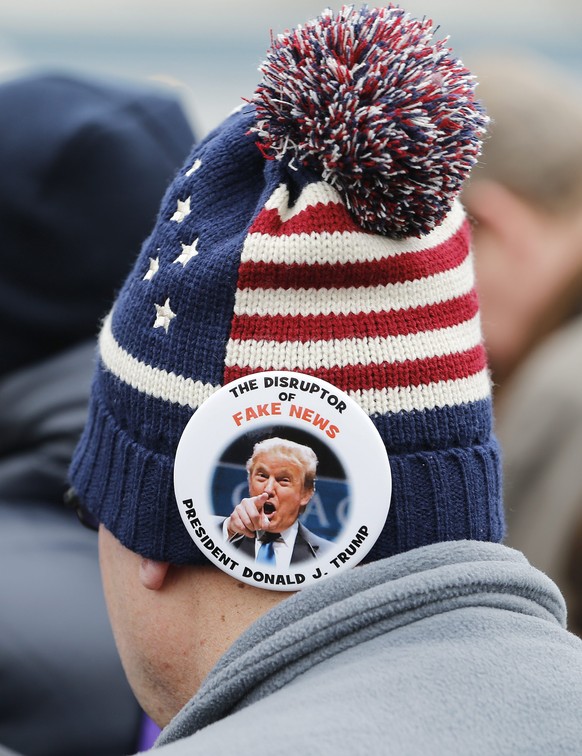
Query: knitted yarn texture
[[261, 259]]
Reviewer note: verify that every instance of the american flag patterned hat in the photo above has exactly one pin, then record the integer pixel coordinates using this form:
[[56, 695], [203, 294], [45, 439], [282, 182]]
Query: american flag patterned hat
[[317, 230]]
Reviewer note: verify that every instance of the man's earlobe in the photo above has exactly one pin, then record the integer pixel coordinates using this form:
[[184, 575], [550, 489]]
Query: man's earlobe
[[152, 574]]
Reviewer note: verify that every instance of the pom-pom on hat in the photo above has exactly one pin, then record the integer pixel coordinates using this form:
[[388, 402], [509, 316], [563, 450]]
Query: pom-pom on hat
[[371, 103], [316, 230]]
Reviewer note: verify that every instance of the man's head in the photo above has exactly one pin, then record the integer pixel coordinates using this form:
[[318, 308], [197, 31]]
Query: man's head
[[83, 167], [285, 471], [525, 197], [327, 241]]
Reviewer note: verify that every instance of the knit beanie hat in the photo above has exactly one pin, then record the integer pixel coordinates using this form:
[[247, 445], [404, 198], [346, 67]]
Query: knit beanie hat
[[317, 230], [83, 167]]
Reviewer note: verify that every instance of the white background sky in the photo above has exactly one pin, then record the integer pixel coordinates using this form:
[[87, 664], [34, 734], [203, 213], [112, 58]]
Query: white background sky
[[211, 49]]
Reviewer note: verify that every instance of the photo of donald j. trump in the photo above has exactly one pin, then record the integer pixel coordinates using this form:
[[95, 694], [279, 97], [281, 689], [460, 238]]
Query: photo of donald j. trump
[[265, 526]]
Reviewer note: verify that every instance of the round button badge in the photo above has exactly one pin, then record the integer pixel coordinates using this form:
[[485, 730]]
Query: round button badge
[[282, 480]]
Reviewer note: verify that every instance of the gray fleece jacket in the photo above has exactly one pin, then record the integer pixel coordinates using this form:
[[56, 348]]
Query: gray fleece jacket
[[456, 648]]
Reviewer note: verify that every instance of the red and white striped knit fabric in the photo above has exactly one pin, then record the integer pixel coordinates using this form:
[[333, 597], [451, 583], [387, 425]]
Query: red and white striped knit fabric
[[394, 323]]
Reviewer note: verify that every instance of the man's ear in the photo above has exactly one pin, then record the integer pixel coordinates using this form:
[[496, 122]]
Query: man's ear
[[306, 497], [153, 574]]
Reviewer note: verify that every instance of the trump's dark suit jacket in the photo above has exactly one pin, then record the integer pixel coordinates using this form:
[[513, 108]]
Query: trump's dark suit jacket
[[307, 545]]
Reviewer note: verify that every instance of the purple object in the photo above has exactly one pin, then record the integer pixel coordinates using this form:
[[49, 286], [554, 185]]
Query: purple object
[[148, 732]]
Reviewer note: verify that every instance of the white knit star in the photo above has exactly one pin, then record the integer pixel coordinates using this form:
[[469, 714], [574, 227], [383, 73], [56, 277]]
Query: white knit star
[[154, 267], [188, 252], [195, 166], [164, 315], [182, 210]]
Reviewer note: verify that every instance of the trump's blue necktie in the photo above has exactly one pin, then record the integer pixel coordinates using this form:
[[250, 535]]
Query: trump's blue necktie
[[266, 554]]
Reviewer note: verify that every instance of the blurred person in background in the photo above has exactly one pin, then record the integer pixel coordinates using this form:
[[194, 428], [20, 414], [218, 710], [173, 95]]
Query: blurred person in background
[[83, 166], [525, 197]]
